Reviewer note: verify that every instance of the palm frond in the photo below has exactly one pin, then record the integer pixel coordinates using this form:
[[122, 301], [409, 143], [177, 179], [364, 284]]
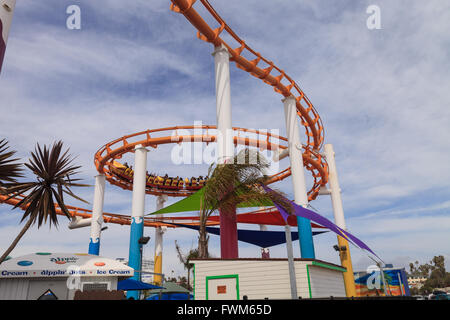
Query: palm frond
[[9, 170], [53, 169]]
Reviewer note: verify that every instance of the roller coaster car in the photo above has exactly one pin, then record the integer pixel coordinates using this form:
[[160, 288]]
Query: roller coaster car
[[150, 179], [121, 171], [168, 185], [193, 185], [154, 181], [175, 182], [158, 181]]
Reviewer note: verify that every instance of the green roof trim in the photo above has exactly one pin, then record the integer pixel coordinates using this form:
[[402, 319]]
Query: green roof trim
[[323, 265]]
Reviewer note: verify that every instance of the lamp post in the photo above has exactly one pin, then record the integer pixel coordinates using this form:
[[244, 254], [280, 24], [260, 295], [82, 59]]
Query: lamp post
[[142, 241]]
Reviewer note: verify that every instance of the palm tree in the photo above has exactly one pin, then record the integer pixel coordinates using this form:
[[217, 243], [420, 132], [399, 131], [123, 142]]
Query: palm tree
[[231, 184], [9, 170], [53, 169], [185, 260]]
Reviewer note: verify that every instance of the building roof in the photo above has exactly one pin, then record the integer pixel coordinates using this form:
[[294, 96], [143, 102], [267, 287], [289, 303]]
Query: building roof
[[170, 287], [45, 264], [194, 260]]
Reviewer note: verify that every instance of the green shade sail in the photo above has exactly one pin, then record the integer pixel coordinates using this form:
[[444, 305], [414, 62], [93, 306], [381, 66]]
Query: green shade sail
[[192, 203]]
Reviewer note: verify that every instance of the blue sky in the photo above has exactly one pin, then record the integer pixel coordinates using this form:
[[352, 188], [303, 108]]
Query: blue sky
[[382, 95]]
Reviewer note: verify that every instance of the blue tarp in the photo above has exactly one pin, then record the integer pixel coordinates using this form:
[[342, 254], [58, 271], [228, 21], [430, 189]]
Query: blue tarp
[[131, 284], [263, 239]]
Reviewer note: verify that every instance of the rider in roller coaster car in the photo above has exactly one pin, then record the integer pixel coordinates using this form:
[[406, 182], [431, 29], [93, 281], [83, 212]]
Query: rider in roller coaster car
[[175, 181], [167, 181], [158, 181], [201, 181], [150, 178]]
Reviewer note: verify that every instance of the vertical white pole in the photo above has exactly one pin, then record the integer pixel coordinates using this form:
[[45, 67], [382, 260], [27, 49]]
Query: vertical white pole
[[225, 145], [137, 213], [6, 14], [159, 231], [295, 152], [139, 182], [298, 176], [97, 214], [339, 219], [292, 277], [333, 181]]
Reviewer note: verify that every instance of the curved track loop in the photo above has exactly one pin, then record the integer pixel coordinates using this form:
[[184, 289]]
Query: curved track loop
[[269, 73], [114, 150]]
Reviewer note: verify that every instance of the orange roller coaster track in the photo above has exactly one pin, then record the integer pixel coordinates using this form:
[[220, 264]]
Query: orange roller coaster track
[[271, 74], [106, 156]]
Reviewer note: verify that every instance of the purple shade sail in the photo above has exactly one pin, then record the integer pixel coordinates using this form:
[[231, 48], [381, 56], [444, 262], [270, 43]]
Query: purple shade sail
[[2, 45], [313, 216]]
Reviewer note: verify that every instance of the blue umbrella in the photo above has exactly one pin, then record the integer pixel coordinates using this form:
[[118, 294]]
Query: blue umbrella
[[131, 284]]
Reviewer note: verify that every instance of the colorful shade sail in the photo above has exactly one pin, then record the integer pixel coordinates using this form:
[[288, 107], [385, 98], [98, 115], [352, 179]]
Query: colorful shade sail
[[193, 203], [263, 239], [269, 217], [313, 216]]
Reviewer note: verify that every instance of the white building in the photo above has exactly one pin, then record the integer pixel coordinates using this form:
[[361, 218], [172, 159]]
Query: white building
[[232, 279]]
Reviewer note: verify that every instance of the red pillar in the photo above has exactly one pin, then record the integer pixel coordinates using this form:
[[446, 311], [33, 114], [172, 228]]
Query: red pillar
[[228, 235]]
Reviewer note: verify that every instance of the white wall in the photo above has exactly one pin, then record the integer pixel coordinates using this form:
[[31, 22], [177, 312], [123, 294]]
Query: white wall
[[13, 289], [19, 289], [326, 282], [259, 279]]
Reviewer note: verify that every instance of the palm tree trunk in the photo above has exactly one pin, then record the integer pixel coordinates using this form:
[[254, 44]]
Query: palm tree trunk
[[16, 240], [202, 243]]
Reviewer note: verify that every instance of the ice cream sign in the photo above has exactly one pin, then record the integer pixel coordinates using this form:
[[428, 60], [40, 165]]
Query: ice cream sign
[[43, 264]]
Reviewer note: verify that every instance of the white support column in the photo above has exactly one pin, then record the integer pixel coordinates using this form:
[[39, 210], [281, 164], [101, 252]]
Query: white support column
[[139, 182], [295, 152], [6, 14], [338, 211], [225, 145], [137, 213], [97, 214], [298, 175], [335, 190], [159, 231]]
